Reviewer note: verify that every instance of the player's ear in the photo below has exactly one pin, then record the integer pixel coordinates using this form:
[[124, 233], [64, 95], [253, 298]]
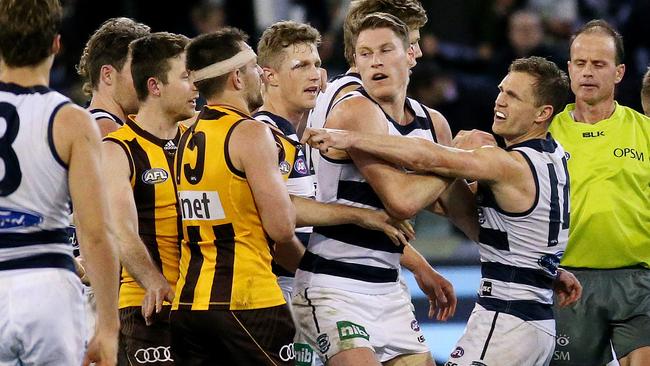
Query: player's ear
[[237, 79], [269, 76], [544, 113], [153, 86], [620, 71], [56, 44]]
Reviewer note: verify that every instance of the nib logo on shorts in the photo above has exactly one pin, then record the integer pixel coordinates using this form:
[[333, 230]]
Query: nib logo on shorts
[[349, 330]]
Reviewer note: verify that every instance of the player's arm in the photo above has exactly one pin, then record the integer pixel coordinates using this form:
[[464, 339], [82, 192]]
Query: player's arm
[[106, 126], [402, 194], [253, 151], [134, 255], [312, 213], [440, 292], [77, 142]]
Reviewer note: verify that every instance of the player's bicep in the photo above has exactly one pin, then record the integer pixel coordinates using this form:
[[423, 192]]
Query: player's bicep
[[441, 127], [118, 187]]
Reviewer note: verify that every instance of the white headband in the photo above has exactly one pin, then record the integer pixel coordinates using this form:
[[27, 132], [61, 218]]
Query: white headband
[[223, 67]]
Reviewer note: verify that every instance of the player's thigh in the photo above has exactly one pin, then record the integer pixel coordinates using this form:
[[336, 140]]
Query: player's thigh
[[494, 338], [583, 334], [332, 321], [354, 357], [413, 359], [50, 311], [144, 344]]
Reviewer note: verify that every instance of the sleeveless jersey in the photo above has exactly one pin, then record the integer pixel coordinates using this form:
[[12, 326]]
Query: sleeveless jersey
[[520, 252], [34, 195], [350, 257], [610, 189], [225, 255], [151, 161], [98, 113]]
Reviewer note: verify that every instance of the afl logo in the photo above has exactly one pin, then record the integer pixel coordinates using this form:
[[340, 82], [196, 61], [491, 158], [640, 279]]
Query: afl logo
[[154, 176], [285, 167], [300, 166]]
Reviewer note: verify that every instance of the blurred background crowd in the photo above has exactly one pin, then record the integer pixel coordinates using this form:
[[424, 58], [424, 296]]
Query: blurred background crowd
[[467, 46]]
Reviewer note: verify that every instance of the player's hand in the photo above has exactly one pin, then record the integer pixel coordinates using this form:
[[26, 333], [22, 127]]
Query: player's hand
[[400, 232], [567, 288], [102, 349], [325, 138], [469, 140], [442, 298], [81, 270], [156, 294]]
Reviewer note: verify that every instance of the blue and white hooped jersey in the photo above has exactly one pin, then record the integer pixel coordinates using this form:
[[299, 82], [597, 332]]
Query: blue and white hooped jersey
[[520, 252], [34, 195], [350, 257], [98, 113]]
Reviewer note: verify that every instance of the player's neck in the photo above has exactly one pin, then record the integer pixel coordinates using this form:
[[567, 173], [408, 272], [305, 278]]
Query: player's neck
[[152, 118], [277, 105], [533, 134], [102, 100], [593, 113], [26, 76], [394, 107], [230, 99]]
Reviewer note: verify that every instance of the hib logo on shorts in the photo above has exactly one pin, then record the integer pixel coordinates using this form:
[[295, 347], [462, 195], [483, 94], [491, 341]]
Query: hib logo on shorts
[[154, 176], [153, 355], [349, 330], [11, 218], [458, 352], [199, 205], [304, 354]]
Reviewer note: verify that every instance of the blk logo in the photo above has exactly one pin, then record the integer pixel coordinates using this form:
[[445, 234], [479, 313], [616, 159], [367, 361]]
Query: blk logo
[[593, 134]]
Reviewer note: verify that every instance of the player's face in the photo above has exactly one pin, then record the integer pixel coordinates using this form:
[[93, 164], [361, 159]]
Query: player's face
[[592, 69], [414, 40], [179, 93], [383, 62], [514, 108], [124, 93], [299, 75], [645, 104], [253, 80]]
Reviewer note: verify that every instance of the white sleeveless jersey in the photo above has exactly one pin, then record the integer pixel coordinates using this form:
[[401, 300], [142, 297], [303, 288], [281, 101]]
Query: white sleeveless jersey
[[350, 257], [99, 113], [520, 252], [34, 196]]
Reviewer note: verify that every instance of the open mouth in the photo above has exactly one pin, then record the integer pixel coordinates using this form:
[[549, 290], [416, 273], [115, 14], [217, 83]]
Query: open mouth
[[499, 115], [379, 76], [311, 89]]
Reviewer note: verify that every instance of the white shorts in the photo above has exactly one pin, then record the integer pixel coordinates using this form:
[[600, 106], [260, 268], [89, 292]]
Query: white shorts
[[43, 321], [333, 320], [500, 339]]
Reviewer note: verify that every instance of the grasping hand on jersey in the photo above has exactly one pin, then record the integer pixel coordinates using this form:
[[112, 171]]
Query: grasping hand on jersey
[[567, 288], [400, 232], [326, 138]]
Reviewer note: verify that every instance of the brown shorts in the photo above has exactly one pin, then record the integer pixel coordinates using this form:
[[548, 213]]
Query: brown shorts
[[141, 344], [240, 337]]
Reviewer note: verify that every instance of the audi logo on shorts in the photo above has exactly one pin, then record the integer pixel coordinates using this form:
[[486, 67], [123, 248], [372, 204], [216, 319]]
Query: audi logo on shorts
[[153, 354], [287, 352]]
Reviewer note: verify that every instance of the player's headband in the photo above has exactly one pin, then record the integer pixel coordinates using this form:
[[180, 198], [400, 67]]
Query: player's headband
[[223, 67]]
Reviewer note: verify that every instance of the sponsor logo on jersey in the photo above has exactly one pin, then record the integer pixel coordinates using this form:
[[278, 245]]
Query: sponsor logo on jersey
[[421, 339], [550, 262], [304, 354], [458, 352], [415, 325], [323, 342], [300, 166], [593, 134], [13, 218], [153, 355], [486, 288], [287, 352], [627, 152], [170, 145], [154, 176], [348, 330], [285, 167], [199, 205]]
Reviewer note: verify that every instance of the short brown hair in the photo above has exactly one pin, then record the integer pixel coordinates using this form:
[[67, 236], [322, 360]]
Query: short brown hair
[[645, 85], [551, 85], [210, 48], [281, 35], [602, 27], [27, 30], [383, 20], [410, 12], [150, 58], [109, 45]]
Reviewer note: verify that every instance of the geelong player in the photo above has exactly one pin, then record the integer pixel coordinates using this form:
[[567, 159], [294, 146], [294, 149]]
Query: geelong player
[[523, 214], [50, 154]]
